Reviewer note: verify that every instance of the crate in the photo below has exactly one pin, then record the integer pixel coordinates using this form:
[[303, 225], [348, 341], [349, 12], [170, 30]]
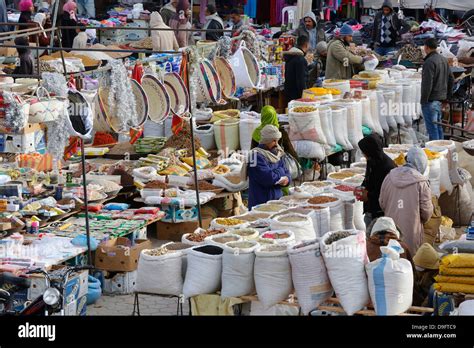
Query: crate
[[119, 283]]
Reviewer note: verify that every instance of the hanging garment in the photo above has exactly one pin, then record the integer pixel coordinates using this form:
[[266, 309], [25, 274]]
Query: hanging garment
[[303, 6], [250, 8]]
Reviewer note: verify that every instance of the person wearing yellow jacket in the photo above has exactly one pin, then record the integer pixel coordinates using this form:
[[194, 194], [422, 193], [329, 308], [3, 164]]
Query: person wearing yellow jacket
[[340, 60]]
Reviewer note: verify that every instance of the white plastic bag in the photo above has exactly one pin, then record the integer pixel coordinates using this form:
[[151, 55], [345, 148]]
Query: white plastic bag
[[306, 126], [345, 261], [309, 275], [203, 274], [309, 149], [272, 274], [237, 269], [390, 281]]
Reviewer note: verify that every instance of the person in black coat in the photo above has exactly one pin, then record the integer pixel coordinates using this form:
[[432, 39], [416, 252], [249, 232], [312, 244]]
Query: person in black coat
[[26, 66], [213, 21], [378, 167], [69, 19], [296, 69]]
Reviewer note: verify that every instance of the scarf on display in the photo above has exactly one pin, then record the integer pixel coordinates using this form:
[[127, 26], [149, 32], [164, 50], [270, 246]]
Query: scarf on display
[[209, 19]]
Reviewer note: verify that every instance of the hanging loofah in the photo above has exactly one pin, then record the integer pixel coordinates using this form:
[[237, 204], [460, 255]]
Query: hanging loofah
[[15, 116], [54, 83], [57, 134], [121, 95], [224, 47]]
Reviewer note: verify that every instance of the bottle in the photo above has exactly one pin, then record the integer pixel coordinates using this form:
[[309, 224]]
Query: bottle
[[34, 227]]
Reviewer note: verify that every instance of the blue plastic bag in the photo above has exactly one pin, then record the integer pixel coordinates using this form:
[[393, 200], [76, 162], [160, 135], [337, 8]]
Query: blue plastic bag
[[81, 241]]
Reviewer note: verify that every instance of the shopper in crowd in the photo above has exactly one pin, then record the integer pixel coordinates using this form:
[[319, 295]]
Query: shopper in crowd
[[181, 21], [213, 22], [162, 40], [92, 36], [380, 232], [387, 29], [26, 8], [236, 19], [44, 22], [26, 66], [69, 19], [169, 11], [406, 197], [86, 8], [378, 167], [318, 64], [309, 28], [296, 69], [80, 41], [427, 267], [436, 86], [3, 16], [340, 60], [269, 116], [266, 171]]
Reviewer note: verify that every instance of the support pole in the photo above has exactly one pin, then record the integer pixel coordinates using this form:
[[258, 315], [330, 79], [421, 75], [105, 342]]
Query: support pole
[[86, 203]]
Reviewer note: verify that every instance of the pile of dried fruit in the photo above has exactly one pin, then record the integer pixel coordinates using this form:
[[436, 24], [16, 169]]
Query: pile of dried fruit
[[322, 200], [337, 236], [199, 237]]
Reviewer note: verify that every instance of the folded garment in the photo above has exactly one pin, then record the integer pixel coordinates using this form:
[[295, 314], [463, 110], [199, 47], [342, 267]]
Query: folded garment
[[454, 279], [458, 260], [450, 287], [444, 270]]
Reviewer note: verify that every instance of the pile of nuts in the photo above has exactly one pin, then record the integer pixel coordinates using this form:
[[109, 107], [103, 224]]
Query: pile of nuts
[[322, 200]]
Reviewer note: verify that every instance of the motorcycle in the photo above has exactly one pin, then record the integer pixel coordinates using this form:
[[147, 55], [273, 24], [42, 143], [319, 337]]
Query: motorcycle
[[51, 302]]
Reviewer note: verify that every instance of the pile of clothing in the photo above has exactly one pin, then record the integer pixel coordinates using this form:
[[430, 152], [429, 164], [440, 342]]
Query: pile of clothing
[[456, 274]]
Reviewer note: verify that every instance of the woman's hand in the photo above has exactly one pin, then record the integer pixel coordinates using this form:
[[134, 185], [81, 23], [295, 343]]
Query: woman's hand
[[284, 181]]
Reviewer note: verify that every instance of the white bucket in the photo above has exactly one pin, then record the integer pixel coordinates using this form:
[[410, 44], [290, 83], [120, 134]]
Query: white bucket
[[205, 133], [246, 69]]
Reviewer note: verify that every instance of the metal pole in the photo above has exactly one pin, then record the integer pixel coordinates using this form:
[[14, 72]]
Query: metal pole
[[196, 187], [55, 18], [86, 203]]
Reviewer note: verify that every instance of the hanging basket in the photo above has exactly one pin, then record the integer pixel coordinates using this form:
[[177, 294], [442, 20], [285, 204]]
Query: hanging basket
[[226, 76], [80, 120], [108, 118], [159, 100], [141, 100], [178, 93], [209, 87], [246, 69]]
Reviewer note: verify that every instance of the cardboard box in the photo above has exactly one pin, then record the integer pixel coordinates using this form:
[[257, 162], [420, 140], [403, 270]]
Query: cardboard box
[[174, 232], [114, 255], [121, 283], [8, 51], [23, 143]]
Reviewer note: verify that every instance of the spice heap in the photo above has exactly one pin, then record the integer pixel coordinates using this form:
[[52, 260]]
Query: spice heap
[[291, 218], [229, 221], [271, 208], [158, 251], [205, 186], [156, 185], [225, 239], [303, 109], [342, 175], [199, 237], [275, 235], [102, 138], [183, 140], [322, 200], [344, 188]]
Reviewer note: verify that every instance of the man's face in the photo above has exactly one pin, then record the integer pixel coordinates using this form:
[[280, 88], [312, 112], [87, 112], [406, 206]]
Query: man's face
[[427, 49], [308, 22], [272, 145], [348, 39], [235, 18], [386, 11], [174, 3], [207, 12]]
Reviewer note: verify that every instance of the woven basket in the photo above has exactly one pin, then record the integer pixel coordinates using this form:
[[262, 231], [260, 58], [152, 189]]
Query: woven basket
[[158, 98]]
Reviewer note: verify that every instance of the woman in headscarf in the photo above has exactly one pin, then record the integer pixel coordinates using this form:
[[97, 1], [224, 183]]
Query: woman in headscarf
[[406, 198], [378, 167], [269, 116], [163, 40], [181, 20], [69, 19], [265, 168], [26, 9]]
